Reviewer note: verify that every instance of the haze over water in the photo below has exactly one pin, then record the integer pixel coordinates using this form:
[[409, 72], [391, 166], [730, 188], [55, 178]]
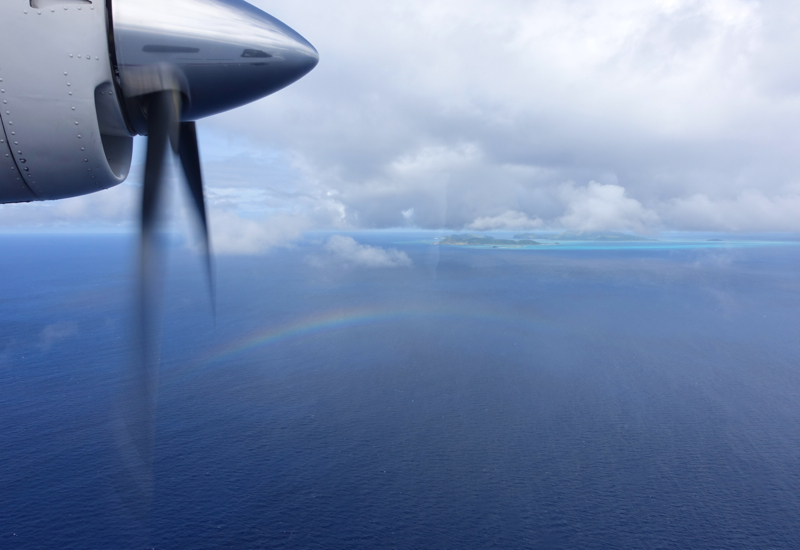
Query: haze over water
[[588, 396]]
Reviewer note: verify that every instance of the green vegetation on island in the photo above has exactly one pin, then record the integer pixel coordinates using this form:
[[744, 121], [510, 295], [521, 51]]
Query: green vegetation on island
[[476, 240], [595, 236], [532, 239]]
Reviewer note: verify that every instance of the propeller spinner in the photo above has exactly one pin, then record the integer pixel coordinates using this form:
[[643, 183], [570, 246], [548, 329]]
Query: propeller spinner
[[182, 60]]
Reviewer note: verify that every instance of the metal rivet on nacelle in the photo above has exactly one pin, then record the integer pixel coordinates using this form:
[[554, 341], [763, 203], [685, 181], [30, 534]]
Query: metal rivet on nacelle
[[76, 123], [65, 74], [85, 160], [70, 55], [79, 136], [79, 56]]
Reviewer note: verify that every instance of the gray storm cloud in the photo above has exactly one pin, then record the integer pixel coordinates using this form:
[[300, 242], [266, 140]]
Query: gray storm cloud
[[642, 116]]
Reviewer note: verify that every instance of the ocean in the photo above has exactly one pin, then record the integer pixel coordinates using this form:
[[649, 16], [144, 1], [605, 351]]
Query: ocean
[[589, 395]]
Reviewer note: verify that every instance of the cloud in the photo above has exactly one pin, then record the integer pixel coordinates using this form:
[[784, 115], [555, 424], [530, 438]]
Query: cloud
[[112, 208], [665, 99], [348, 251], [604, 207], [233, 234], [508, 220], [750, 210]]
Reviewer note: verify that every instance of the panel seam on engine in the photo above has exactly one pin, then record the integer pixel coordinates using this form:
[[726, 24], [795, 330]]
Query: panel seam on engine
[[112, 55], [14, 159]]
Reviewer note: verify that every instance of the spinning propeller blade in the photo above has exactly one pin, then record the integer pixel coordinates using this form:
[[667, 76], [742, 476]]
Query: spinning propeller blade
[[164, 129], [170, 74], [189, 153]]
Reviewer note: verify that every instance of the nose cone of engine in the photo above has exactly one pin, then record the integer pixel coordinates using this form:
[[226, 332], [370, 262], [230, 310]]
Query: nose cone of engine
[[219, 53]]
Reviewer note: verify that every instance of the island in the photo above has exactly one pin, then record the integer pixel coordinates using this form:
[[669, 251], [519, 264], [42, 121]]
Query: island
[[593, 236], [477, 240]]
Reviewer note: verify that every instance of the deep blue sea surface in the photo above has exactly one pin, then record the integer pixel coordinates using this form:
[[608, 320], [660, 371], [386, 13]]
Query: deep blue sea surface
[[592, 396]]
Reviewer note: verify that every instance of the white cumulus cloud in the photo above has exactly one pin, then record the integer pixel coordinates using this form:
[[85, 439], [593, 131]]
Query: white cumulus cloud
[[350, 252], [512, 219], [598, 207], [233, 234]]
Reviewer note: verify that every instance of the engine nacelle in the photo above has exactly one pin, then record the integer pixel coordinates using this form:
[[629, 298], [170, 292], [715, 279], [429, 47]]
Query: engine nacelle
[[76, 77], [63, 131]]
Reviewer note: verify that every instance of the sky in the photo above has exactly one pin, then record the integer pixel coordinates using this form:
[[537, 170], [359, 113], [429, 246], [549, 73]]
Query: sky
[[626, 115]]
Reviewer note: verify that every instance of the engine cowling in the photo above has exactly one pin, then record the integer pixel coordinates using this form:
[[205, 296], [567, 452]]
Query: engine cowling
[[63, 129]]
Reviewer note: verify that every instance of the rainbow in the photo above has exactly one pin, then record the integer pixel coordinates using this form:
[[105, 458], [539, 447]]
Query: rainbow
[[336, 320], [347, 319]]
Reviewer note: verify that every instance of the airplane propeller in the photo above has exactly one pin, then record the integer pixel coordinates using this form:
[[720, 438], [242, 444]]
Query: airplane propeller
[[165, 133], [171, 72]]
